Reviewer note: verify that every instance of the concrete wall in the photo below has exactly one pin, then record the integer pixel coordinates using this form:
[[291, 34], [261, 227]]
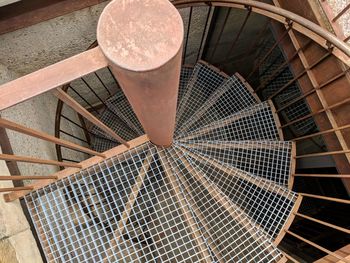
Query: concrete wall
[[29, 49]]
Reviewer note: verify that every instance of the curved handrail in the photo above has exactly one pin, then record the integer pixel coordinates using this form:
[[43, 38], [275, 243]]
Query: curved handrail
[[280, 14]]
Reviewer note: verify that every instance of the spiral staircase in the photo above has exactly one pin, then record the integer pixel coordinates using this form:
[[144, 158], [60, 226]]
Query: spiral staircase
[[218, 194], [221, 192]]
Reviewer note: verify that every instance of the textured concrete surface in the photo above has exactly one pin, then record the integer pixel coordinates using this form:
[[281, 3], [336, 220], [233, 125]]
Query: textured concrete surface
[[26, 50], [17, 243], [19, 248]]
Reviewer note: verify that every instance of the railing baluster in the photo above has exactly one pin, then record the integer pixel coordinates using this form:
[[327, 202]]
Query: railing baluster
[[70, 160], [13, 189], [281, 68], [313, 90], [219, 36], [327, 198], [73, 136], [26, 177], [268, 53], [252, 47], [88, 103], [318, 246], [93, 91], [116, 81], [187, 35], [103, 84], [322, 132], [199, 55], [26, 159], [43, 136], [240, 31], [322, 154], [347, 231], [323, 175], [84, 128], [300, 75], [60, 94], [316, 113]]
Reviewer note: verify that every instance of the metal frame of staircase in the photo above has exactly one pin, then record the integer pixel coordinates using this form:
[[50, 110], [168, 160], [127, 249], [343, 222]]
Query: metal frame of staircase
[[81, 65]]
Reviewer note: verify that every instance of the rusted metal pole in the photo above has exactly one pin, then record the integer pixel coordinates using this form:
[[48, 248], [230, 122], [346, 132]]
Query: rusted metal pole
[[142, 40]]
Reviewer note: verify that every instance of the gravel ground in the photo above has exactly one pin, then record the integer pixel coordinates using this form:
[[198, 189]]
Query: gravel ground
[[344, 20]]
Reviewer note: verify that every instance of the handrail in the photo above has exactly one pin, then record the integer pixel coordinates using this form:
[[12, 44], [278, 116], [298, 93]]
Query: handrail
[[317, 246], [272, 11], [27, 159]]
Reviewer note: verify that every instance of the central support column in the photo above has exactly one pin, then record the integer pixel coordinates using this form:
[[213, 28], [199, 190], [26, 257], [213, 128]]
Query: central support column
[[142, 40]]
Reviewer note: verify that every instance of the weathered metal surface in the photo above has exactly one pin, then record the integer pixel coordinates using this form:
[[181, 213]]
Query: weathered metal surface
[[51, 77], [142, 40]]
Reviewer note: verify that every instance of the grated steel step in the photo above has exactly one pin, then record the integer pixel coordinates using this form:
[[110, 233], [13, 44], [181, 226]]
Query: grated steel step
[[269, 160], [267, 204], [231, 97], [204, 81], [256, 122]]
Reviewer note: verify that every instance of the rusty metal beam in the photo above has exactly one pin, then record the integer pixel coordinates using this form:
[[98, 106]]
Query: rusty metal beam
[[51, 77]]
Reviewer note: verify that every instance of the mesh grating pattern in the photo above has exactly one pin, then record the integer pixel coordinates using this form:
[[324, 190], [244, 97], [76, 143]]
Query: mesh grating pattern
[[218, 194], [120, 105], [124, 209], [254, 123], [227, 229], [231, 97], [116, 124], [267, 204], [203, 83], [100, 144], [185, 76], [143, 206], [266, 159]]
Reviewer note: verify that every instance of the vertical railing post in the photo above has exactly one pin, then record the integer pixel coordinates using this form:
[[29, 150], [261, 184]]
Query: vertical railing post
[[142, 40]]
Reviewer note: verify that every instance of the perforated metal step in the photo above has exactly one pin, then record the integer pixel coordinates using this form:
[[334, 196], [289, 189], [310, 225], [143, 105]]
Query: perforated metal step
[[269, 160], [204, 81], [267, 204], [231, 97], [253, 123]]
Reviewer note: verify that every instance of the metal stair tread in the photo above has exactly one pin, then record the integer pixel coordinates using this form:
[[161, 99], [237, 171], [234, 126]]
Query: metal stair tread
[[266, 203], [231, 217], [230, 97], [269, 160], [203, 82], [256, 122]]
